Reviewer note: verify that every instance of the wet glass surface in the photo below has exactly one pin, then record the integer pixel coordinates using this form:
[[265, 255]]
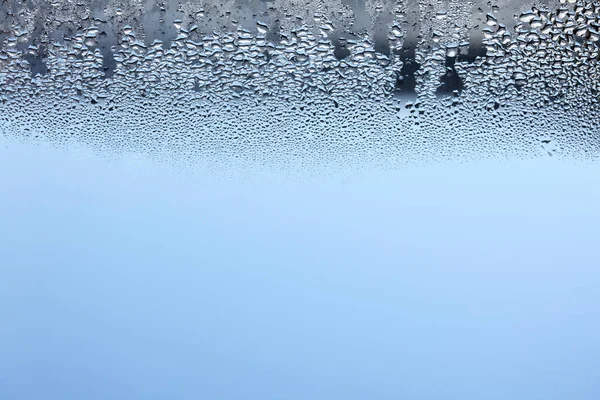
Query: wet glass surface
[[299, 200]]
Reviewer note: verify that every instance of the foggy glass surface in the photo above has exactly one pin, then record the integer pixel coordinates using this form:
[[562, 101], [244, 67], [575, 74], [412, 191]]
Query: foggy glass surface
[[299, 200]]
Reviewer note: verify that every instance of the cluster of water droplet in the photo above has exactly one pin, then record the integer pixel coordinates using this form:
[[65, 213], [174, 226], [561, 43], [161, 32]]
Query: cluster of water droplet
[[310, 94]]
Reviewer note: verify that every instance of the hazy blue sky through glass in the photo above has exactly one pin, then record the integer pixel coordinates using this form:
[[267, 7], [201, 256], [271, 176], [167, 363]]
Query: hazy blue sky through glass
[[472, 282]]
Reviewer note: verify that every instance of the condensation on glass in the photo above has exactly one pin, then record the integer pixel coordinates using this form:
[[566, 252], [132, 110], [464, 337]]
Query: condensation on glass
[[300, 83]]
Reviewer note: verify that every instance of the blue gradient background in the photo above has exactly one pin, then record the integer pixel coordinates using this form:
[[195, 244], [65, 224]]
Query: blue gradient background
[[479, 281]]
